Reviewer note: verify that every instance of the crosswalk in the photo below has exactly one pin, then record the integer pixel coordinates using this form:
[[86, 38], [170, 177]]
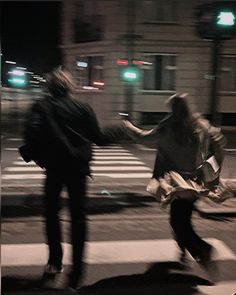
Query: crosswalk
[[112, 258], [124, 253], [108, 162], [108, 252]]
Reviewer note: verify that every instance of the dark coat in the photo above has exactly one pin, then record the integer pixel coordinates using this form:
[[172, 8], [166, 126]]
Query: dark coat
[[59, 133]]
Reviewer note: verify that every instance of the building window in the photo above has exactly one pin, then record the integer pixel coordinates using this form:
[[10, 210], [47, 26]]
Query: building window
[[90, 72], [88, 21], [159, 72], [159, 11], [228, 74]]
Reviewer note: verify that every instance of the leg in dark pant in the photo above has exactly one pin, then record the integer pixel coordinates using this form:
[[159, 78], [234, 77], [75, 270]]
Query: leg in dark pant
[[180, 220], [76, 185], [53, 187]]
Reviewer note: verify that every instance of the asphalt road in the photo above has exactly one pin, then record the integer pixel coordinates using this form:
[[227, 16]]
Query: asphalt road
[[130, 248]]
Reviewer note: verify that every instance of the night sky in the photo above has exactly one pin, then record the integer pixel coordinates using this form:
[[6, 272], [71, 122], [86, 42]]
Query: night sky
[[31, 33]]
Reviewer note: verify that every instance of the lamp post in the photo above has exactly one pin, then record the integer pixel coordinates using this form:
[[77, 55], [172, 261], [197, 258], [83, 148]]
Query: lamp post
[[130, 36]]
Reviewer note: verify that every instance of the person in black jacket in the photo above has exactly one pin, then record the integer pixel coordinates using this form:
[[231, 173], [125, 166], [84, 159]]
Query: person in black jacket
[[58, 135]]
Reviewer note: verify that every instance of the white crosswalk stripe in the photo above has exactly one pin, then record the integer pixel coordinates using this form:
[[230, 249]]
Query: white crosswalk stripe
[[111, 154], [100, 253], [109, 162], [109, 175], [94, 168], [106, 162], [115, 158], [105, 252]]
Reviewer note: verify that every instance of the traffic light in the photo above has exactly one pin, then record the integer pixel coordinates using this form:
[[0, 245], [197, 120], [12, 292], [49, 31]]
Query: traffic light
[[129, 70], [17, 78], [225, 18], [216, 20], [17, 81], [130, 73]]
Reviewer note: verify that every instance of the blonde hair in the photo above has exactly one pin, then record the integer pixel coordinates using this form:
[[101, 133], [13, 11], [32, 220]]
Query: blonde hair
[[60, 82]]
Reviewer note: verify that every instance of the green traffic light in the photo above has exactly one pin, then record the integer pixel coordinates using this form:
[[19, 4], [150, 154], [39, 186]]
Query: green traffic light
[[130, 74], [226, 18], [17, 81]]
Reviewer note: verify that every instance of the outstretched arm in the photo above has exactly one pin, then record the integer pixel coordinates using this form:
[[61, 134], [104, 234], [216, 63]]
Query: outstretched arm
[[138, 133], [103, 136]]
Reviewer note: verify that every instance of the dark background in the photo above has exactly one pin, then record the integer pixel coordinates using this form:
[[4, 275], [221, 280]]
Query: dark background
[[31, 33]]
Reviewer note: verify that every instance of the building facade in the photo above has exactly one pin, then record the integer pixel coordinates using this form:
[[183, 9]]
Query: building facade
[[161, 37]]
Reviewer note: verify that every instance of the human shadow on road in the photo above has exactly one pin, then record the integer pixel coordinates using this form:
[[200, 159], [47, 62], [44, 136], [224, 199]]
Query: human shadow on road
[[99, 204], [19, 284], [165, 278]]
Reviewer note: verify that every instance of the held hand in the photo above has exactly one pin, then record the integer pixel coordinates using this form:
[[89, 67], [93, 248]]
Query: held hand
[[127, 124]]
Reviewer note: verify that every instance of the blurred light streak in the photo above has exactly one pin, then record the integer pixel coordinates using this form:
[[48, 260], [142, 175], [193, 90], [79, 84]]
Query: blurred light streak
[[10, 62], [18, 73]]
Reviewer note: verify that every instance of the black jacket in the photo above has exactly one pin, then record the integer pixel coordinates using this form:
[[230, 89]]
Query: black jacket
[[59, 132]]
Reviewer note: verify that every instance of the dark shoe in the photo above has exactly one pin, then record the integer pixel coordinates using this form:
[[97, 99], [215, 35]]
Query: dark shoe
[[52, 278], [183, 260], [52, 270], [75, 279], [207, 262]]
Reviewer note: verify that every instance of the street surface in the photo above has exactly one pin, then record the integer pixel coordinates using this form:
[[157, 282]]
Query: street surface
[[130, 248]]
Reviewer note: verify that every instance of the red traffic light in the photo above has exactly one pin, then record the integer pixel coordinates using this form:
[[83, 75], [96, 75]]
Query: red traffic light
[[137, 62], [122, 62], [126, 62]]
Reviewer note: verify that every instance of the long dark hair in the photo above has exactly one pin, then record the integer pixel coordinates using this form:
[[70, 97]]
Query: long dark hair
[[183, 122]]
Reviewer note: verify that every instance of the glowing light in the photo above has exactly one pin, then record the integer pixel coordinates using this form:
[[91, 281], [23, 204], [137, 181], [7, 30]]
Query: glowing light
[[21, 68], [129, 75], [226, 18], [82, 64], [122, 62], [18, 73], [17, 81], [10, 62], [137, 62], [98, 83], [147, 63], [90, 88]]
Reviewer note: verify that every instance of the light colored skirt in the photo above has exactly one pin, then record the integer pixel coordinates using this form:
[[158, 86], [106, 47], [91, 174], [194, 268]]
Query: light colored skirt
[[173, 185]]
